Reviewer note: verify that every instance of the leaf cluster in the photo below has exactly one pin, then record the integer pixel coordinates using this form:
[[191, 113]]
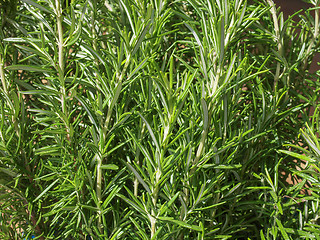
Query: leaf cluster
[[136, 119]]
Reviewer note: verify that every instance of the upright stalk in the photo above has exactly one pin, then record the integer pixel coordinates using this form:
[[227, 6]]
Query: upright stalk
[[99, 191], [61, 58], [199, 151], [277, 34], [60, 38], [153, 220], [136, 181], [105, 129], [3, 80], [203, 139], [93, 29], [103, 133], [61, 70], [193, 169], [137, 159], [314, 38]]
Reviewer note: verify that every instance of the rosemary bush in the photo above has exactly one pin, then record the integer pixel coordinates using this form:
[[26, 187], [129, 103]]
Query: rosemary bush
[[138, 119]]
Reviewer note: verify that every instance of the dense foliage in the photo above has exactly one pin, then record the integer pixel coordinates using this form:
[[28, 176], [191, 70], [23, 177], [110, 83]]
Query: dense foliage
[[158, 119]]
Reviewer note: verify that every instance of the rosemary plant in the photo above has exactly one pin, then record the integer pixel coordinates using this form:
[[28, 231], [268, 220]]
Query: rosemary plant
[[139, 119]]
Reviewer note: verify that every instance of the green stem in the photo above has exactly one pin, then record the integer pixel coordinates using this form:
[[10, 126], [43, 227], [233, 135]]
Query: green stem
[[120, 78], [199, 151], [61, 55], [153, 220], [60, 37], [5, 89], [61, 70], [99, 191], [316, 25], [154, 197], [93, 30], [277, 34], [195, 163], [3, 80], [314, 38], [136, 181], [94, 35], [103, 135]]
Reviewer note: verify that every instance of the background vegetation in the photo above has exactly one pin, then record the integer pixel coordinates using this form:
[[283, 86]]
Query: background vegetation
[[158, 119]]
